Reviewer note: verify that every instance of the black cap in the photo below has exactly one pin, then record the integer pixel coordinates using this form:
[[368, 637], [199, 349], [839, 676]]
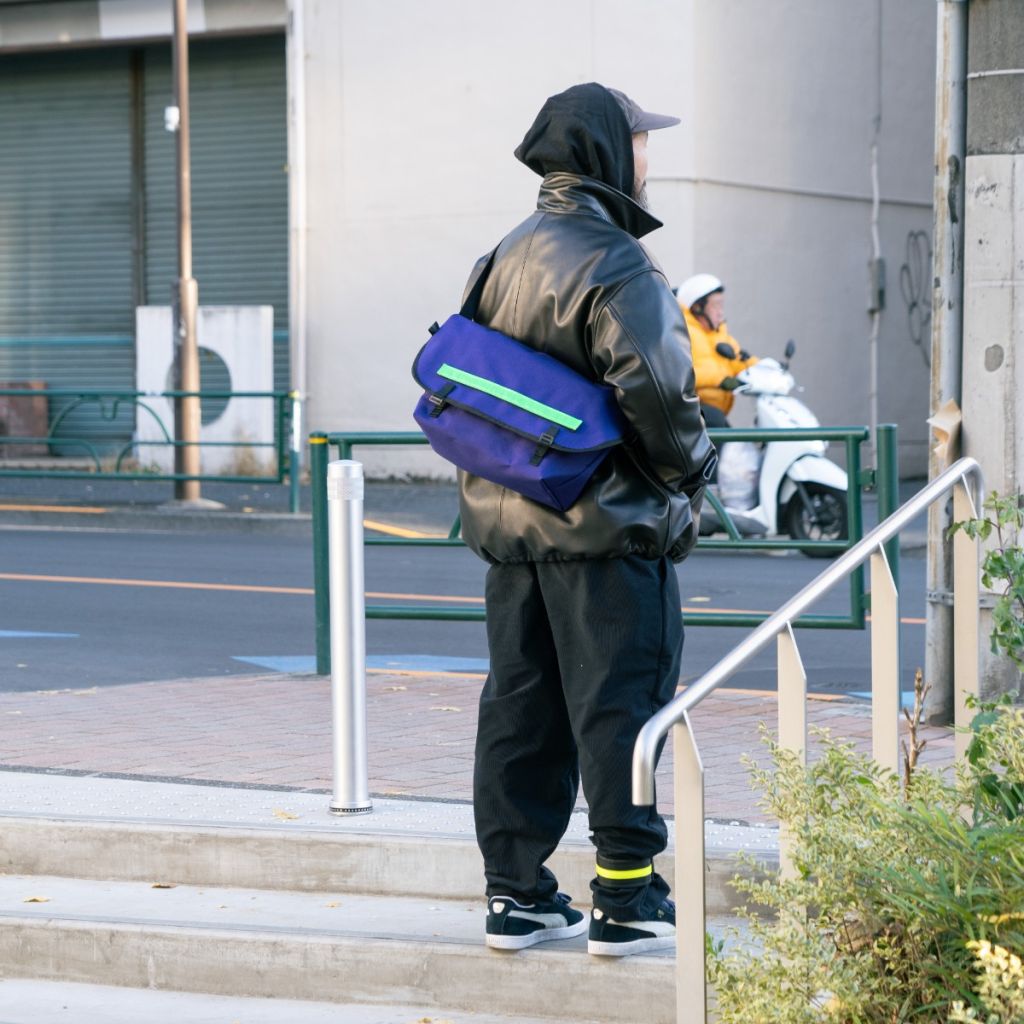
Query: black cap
[[641, 120]]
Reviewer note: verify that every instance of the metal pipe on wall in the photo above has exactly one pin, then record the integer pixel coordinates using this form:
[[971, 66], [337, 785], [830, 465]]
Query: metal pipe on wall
[[297, 216]]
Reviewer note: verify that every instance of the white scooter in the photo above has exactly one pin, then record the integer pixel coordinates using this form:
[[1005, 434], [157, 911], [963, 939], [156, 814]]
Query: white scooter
[[779, 486]]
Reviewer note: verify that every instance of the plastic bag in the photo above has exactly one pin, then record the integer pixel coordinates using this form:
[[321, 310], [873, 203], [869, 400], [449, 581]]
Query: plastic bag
[[739, 466]]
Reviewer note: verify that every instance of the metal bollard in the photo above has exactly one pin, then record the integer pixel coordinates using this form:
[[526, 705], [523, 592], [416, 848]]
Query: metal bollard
[[348, 636]]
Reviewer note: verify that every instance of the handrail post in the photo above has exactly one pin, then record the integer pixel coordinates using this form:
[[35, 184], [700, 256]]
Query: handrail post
[[792, 685], [348, 637], [885, 664], [318, 452], [690, 872]]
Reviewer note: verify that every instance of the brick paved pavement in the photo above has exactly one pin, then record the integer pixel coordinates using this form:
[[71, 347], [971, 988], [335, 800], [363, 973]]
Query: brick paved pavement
[[274, 730]]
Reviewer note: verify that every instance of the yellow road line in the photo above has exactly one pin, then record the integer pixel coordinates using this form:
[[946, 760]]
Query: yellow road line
[[87, 509], [232, 587], [168, 584], [401, 531], [307, 591], [370, 524]]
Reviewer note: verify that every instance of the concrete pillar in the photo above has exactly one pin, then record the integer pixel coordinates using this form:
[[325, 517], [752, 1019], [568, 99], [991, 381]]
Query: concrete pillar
[[993, 350]]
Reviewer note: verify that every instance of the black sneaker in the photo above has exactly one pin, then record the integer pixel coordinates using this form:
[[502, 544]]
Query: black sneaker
[[620, 938], [515, 925]]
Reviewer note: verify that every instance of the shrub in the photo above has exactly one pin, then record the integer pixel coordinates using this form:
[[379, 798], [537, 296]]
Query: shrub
[[1003, 566], [903, 892]]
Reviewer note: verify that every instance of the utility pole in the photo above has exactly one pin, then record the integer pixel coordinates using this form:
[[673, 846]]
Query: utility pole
[[947, 330], [187, 417]]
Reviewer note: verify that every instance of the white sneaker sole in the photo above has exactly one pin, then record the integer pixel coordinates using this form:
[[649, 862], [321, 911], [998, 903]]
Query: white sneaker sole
[[650, 945], [540, 935]]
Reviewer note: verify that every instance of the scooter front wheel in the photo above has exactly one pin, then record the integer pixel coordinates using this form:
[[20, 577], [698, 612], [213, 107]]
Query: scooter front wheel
[[817, 512]]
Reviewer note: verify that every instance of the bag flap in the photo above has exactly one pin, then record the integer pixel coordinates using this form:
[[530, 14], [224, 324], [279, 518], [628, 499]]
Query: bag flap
[[526, 391]]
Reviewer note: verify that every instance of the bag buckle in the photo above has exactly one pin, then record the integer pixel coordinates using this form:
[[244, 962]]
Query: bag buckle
[[439, 399], [547, 439]]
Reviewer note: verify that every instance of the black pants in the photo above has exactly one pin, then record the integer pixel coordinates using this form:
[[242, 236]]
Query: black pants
[[582, 654]]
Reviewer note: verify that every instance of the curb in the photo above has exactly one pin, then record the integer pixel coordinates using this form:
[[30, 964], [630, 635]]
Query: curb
[[158, 521]]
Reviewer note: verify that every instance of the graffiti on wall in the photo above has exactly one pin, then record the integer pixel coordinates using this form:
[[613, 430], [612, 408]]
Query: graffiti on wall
[[914, 286]]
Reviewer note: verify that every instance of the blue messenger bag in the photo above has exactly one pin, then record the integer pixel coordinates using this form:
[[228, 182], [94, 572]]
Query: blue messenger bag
[[501, 410]]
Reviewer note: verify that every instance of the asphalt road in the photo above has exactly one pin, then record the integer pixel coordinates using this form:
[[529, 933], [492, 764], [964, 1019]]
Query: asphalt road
[[83, 608]]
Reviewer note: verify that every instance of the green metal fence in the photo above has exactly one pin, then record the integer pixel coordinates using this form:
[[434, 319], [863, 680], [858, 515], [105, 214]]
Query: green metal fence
[[285, 445], [884, 478]]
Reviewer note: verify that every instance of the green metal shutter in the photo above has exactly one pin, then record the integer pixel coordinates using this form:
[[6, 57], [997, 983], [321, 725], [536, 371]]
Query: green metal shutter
[[238, 103], [66, 287]]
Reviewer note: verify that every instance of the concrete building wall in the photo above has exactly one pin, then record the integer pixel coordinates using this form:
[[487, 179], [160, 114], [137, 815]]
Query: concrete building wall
[[993, 340], [413, 110], [410, 111], [794, 96]]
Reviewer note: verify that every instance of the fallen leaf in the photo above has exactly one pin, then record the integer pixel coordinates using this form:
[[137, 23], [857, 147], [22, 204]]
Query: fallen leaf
[[36, 899], [332, 906], [444, 707], [284, 815], [162, 885]]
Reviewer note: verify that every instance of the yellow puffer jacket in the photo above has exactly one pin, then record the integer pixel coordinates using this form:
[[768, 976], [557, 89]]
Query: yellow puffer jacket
[[708, 366]]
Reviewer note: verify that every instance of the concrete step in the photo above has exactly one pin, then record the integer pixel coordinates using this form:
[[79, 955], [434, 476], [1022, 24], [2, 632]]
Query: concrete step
[[275, 840], [27, 1001], [355, 948]]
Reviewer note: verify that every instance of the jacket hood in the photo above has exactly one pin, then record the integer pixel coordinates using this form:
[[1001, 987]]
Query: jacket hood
[[572, 193], [582, 131]]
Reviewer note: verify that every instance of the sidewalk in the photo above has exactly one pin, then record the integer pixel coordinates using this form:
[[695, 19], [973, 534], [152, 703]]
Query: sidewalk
[[274, 731]]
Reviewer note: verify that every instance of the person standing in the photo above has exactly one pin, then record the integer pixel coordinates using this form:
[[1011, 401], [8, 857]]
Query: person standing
[[583, 613]]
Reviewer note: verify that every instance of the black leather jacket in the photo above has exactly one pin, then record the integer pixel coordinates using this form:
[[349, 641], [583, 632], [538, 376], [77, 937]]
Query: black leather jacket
[[573, 281]]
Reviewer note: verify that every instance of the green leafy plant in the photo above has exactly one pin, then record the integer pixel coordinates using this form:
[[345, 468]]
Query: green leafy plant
[[1000, 987], [997, 756], [1002, 570], [894, 881]]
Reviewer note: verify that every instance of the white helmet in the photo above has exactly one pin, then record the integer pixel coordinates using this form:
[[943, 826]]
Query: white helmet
[[697, 287]]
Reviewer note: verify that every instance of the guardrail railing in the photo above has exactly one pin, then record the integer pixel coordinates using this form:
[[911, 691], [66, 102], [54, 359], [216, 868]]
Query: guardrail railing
[[691, 986], [884, 479], [286, 444]]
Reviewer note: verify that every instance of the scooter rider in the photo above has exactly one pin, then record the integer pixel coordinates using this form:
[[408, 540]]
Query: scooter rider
[[717, 356]]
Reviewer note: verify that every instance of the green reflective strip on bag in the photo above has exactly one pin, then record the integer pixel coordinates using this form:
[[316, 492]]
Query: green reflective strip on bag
[[516, 398]]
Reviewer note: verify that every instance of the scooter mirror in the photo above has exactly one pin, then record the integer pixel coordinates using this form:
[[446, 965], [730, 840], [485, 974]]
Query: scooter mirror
[[790, 348], [725, 350]]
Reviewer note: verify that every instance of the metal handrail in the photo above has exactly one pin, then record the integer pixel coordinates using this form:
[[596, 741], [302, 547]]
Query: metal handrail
[[657, 727]]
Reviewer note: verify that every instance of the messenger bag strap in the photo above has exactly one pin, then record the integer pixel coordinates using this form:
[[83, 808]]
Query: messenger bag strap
[[472, 303]]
